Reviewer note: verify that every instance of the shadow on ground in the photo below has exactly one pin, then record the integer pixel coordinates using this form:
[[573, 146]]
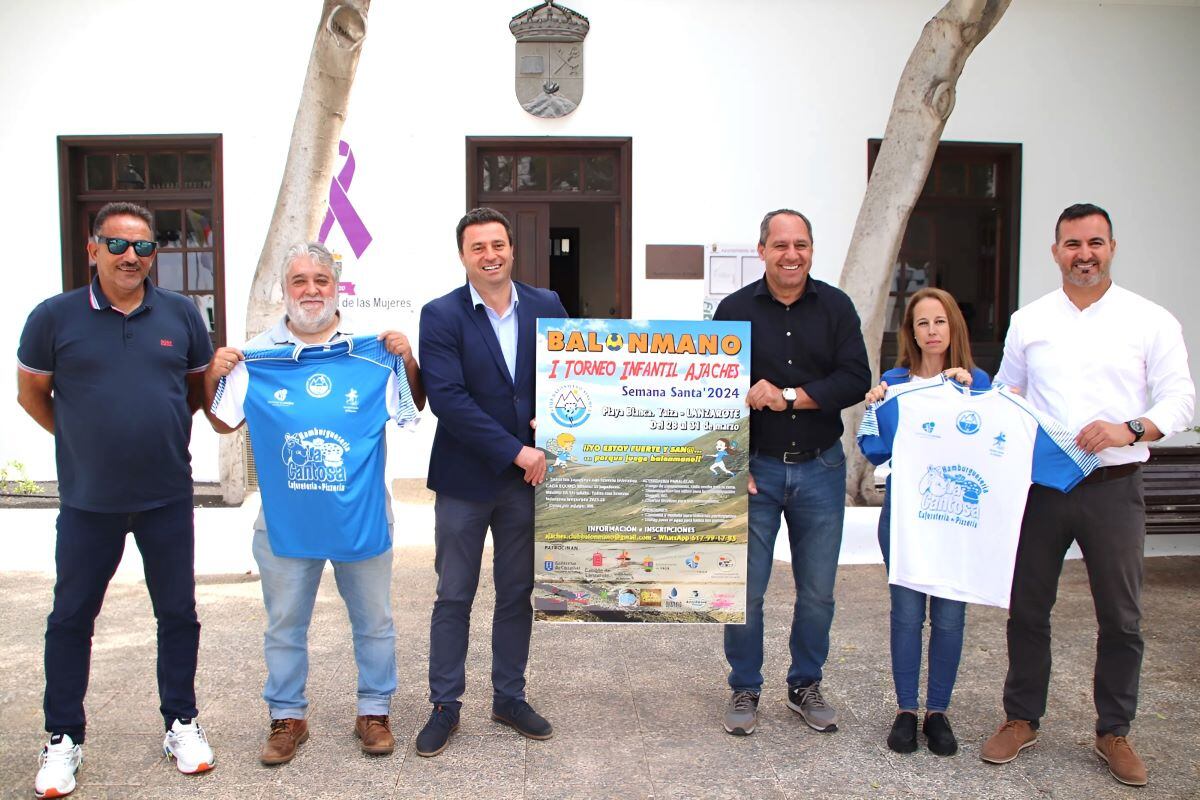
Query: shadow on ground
[[636, 710]]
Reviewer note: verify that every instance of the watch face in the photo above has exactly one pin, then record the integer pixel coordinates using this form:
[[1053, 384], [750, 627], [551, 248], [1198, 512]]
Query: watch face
[[1137, 427]]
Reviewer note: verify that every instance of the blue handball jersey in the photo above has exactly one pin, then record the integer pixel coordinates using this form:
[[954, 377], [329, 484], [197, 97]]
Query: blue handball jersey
[[317, 415], [962, 462]]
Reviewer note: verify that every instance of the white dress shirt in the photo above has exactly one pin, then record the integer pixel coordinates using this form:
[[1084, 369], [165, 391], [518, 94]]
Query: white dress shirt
[[1121, 358], [504, 325]]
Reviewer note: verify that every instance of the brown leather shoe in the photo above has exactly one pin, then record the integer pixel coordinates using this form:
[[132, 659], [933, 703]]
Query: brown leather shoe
[[375, 735], [1123, 762], [285, 736], [1008, 741]]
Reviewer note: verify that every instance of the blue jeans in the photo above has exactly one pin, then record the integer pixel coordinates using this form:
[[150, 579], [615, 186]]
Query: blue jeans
[[289, 591], [811, 496], [946, 620], [86, 555]]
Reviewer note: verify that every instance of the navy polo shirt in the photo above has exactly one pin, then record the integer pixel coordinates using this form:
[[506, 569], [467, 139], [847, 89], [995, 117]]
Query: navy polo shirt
[[121, 418]]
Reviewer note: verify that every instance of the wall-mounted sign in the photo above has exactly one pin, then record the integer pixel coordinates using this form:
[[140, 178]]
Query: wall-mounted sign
[[549, 78], [727, 268]]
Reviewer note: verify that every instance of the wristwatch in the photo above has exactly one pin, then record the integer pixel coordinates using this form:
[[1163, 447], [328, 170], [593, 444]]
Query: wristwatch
[[1135, 425], [789, 394]]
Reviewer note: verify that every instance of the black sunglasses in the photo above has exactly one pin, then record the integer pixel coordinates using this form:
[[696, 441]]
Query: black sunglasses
[[118, 247]]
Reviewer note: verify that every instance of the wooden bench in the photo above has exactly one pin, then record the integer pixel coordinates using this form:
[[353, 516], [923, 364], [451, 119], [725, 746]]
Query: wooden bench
[[1171, 483]]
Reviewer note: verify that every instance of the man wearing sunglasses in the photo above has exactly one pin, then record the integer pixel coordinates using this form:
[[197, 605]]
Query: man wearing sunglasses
[[115, 371]]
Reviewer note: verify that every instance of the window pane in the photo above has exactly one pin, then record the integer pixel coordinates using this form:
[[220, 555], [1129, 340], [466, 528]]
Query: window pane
[[197, 171], [164, 171], [918, 237], [894, 314], [207, 307], [170, 271], [167, 227], [497, 173], [131, 171], [564, 172], [531, 173], [99, 172], [918, 275], [601, 174], [199, 227], [983, 180], [952, 180], [200, 271]]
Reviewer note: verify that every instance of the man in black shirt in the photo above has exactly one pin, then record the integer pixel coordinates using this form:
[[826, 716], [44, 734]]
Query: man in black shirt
[[807, 363]]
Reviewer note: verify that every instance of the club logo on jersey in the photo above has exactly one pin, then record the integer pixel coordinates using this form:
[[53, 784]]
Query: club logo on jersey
[[280, 400], [968, 423], [315, 460], [570, 406], [319, 385], [351, 406], [927, 427], [951, 494], [998, 444]]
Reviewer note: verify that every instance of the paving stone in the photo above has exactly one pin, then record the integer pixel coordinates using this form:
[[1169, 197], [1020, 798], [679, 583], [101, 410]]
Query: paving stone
[[636, 710]]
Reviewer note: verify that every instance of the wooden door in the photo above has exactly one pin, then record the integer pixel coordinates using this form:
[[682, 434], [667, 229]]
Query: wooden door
[[531, 241]]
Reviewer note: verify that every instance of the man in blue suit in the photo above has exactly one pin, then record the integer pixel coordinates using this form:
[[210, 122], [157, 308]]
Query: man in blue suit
[[477, 354]]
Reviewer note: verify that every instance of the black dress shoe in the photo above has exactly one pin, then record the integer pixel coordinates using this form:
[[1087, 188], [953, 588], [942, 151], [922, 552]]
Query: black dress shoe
[[938, 735], [434, 737], [521, 717], [903, 738]]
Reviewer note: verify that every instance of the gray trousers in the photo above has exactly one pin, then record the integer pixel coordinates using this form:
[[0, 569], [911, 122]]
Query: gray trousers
[[1108, 520], [459, 530]]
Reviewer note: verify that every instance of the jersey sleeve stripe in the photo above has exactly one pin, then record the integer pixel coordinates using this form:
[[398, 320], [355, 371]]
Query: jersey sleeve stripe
[[1062, 438]]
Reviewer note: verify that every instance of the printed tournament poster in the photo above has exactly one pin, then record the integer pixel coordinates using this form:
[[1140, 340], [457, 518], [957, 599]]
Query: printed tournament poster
[[642, 516]]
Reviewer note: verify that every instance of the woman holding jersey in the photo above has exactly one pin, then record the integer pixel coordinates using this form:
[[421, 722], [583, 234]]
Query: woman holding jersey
[[933, 341]]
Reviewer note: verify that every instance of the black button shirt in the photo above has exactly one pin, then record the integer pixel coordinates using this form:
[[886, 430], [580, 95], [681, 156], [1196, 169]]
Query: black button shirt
[[814, 344]]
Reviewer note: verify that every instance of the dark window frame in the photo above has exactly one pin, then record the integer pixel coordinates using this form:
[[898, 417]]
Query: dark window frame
[[1007, 199], [76, 201]]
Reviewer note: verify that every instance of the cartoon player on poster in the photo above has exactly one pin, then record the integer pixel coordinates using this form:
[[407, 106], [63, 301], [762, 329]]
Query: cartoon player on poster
[[561, 448], [725, 448]]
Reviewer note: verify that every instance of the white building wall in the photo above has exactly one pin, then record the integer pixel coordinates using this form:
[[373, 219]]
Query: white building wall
[[734, 109]]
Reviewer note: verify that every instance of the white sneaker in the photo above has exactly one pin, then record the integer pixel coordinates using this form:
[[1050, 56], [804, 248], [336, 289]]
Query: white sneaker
[[57, 766], [187, 744]]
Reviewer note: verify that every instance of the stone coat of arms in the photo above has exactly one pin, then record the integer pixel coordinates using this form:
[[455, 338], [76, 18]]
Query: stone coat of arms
[[549, 81]]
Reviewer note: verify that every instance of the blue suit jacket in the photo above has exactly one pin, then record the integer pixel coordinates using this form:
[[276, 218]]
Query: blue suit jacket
[[483, 414]]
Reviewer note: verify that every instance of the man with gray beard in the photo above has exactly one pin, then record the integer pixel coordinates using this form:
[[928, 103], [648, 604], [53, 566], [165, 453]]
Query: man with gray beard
[[310, 288]]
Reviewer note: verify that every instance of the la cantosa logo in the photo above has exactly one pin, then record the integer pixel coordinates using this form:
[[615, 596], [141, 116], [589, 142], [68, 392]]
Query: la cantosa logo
[[570, 406]]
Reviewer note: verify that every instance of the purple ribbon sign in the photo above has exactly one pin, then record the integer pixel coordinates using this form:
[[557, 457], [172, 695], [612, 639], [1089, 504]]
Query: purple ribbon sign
[[341, 209]]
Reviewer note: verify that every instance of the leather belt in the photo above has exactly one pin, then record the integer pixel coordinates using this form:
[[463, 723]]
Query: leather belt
[[1103, 474], [789, 456]]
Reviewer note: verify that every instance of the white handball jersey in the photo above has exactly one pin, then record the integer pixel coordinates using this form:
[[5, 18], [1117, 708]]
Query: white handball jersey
[[962, 463]]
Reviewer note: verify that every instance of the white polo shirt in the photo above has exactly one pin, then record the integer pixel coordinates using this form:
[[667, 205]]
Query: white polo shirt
[[1120, 358]]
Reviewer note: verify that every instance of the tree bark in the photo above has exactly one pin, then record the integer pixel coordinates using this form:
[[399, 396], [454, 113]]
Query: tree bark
[[924, 100], [304, 190]]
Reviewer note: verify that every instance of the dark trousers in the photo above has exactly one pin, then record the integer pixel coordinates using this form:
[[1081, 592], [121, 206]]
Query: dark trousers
[[1108, 520], [86, 556], [459, 530]]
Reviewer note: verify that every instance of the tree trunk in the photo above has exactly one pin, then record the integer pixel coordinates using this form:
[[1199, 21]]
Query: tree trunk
[[304, 190], [923, 102]]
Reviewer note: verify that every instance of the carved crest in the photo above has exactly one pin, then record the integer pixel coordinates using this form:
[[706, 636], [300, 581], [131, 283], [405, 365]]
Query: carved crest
[[549, 79]]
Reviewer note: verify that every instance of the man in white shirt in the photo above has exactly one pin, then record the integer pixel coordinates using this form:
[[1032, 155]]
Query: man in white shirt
[[1113, 366]]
